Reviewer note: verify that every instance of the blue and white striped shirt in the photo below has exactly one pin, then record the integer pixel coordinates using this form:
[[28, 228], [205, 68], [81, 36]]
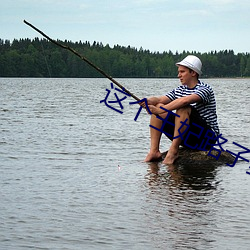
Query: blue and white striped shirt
[[206, 108]]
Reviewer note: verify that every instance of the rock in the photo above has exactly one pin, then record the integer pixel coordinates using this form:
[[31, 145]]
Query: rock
[[187, 156]]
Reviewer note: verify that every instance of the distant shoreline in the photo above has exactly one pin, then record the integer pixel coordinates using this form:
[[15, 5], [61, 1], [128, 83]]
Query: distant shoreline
[[41, 58]]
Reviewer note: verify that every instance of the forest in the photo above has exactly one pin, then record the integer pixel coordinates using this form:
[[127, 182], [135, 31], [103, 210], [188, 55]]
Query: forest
[[41, 58]]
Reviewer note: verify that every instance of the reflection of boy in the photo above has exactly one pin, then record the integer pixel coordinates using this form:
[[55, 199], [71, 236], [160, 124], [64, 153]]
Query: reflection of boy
[[193, 101]]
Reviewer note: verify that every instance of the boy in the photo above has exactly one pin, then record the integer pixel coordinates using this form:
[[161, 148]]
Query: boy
[[195, 116]]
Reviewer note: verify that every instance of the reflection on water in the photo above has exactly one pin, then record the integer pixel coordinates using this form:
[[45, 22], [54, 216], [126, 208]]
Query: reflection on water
[[189, 203], [192, 177], [184, 194]]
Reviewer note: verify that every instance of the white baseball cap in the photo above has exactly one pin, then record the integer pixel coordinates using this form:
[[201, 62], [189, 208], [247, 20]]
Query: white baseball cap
[[191, 62]]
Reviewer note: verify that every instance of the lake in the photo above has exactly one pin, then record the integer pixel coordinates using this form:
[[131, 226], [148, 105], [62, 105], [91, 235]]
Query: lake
[[72, 174]]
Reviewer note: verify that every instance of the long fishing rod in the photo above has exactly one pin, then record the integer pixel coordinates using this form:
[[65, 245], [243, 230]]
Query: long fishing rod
[[84, 59]]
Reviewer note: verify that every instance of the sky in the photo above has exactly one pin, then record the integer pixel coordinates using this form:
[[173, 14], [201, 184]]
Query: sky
[[155, 25]]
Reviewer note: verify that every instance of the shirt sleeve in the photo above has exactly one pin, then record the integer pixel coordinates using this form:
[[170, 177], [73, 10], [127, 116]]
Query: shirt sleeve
[[204, 93], [171, 95]]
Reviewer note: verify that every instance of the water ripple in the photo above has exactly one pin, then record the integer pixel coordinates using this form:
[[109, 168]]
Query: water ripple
[[72, 174]]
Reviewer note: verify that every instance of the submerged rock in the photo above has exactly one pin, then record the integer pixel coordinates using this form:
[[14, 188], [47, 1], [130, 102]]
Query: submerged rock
[[187, 156]]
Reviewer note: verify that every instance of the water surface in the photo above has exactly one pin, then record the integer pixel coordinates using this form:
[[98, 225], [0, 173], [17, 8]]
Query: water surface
[[72, 176]]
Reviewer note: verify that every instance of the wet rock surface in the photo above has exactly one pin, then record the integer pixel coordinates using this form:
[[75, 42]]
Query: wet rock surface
[[187, 156]]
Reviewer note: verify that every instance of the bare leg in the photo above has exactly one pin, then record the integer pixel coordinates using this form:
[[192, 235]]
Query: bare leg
[[155, 137], [173, 151]]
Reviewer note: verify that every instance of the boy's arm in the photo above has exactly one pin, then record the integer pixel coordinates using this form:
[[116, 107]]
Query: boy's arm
[[158, 100], [176, 104]]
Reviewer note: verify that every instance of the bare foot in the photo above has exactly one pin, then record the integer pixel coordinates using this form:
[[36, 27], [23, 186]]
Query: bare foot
[[170, 157], [153, 156]]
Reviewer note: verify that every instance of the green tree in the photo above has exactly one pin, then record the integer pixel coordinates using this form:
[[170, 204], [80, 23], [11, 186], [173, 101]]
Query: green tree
[[247, 69]]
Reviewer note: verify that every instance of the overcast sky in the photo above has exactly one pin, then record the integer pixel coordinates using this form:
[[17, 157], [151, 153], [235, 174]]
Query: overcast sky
[[157, 25]]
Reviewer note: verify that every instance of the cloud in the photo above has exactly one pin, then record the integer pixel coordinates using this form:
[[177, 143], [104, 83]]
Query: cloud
[[221, 2], [225, 5], [83, 6], [149, 2]]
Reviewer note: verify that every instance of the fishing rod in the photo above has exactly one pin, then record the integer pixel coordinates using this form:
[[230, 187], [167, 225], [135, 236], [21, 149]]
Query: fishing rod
[[84, 59]]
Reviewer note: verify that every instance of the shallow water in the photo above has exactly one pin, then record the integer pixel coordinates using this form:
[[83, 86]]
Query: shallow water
[[72, 175]]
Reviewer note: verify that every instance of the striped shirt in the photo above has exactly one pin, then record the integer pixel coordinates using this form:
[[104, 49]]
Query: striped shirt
[[206, 108]]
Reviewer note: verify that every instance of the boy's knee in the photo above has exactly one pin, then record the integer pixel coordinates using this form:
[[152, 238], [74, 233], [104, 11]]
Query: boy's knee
[[184, 110]]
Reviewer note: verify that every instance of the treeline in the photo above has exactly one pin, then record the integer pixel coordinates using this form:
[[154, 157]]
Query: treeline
[[41, 58]]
